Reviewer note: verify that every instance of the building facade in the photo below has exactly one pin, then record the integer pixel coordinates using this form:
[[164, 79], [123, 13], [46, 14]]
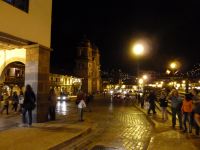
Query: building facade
[[25, 33], [88, 66], [14, 80], [69, 85]]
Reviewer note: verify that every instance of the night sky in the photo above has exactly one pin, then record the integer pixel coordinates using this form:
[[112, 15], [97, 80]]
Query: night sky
[[171, 30]]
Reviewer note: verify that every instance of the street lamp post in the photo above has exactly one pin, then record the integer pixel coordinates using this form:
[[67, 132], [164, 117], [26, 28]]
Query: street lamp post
[[138, 50], [173, 67]]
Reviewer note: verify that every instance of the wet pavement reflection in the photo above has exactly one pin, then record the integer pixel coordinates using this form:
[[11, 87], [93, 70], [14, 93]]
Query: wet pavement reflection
[[119, 126], [61, 107]]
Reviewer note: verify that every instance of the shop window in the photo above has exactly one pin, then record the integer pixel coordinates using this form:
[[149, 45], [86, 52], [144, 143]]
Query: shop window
[[21, 4]]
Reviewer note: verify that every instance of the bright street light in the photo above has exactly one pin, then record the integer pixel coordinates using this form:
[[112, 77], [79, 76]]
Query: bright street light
[[138, 49], [173, 65], [145, 77]]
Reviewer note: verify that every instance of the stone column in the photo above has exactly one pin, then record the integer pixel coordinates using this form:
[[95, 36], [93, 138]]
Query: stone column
[[37, 75]]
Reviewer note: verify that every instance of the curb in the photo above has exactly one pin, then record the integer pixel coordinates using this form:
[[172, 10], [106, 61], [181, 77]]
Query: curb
[[148, 118], [69, 141]]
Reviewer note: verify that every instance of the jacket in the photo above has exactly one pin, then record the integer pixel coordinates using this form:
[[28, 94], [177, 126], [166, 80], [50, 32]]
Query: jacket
[[163, 102], [187, 106], [176, 102], [29, 100]]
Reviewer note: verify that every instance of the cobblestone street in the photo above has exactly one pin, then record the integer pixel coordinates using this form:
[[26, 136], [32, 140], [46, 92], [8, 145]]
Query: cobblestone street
[[110, 126], [126, 131], [118, 127]]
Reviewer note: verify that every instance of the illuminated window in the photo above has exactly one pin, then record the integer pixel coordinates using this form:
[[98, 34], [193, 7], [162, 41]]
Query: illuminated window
[[21, 4]]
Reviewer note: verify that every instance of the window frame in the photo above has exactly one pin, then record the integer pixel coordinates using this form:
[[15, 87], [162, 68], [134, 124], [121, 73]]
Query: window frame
[[25, 4]]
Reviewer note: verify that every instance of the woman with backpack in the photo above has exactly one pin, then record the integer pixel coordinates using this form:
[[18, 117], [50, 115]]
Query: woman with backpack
[[29, 104]]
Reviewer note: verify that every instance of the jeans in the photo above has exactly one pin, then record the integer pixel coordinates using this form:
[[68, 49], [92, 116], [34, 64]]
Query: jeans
[[15, 105], [187, 117], [81, 114], [164, 113], [29, 116], [175, 112], [151, 107]]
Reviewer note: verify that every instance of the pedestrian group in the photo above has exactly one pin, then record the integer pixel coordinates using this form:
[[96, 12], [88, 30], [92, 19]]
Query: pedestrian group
[[187, 109]]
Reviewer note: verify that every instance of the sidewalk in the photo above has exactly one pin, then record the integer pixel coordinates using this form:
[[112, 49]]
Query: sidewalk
[[42, 136], [167, 138]]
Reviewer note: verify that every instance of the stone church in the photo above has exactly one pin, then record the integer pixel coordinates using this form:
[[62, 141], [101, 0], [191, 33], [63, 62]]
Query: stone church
[[88, 66]]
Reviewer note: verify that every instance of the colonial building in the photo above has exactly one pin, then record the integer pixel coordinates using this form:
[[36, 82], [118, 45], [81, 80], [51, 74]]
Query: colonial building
[[14, 81], [65, 84], [88, 66], [25, 33]]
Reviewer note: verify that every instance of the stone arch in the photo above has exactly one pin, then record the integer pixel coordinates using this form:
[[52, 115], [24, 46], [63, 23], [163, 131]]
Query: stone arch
[[9, 62], [8, 65], [9, 56], [13, 76]]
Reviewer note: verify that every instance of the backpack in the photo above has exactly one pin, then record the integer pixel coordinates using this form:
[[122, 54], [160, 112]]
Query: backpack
[[31, 104]]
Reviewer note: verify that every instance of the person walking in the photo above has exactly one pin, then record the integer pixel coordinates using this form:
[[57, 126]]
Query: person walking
[[187, 110], [21, 101], [176, 104], [89, 99], [15, 101], [52, 104], [152, 98], [196, 103], [6, 102], [81, 105], [197, 117], [28, 104], [163, 104]]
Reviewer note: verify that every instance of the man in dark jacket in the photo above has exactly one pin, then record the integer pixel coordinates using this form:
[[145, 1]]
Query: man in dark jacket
[[152, 98]]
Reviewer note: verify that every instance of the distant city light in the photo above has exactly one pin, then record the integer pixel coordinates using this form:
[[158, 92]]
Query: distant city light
[[140, 81], [168, 71]]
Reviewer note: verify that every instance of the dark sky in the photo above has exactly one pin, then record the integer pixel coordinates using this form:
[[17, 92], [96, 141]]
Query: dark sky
[[171, 30]]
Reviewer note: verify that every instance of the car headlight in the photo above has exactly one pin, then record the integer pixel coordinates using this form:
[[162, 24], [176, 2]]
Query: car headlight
[[59, 97], [64, 97]]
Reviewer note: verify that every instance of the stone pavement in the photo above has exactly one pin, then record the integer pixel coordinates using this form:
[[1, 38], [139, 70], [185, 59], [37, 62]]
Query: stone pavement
[[119, 127], [43, 135], [167, 138]]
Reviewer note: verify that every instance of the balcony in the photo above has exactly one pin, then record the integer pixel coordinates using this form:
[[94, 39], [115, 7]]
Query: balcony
[[14, 80]]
